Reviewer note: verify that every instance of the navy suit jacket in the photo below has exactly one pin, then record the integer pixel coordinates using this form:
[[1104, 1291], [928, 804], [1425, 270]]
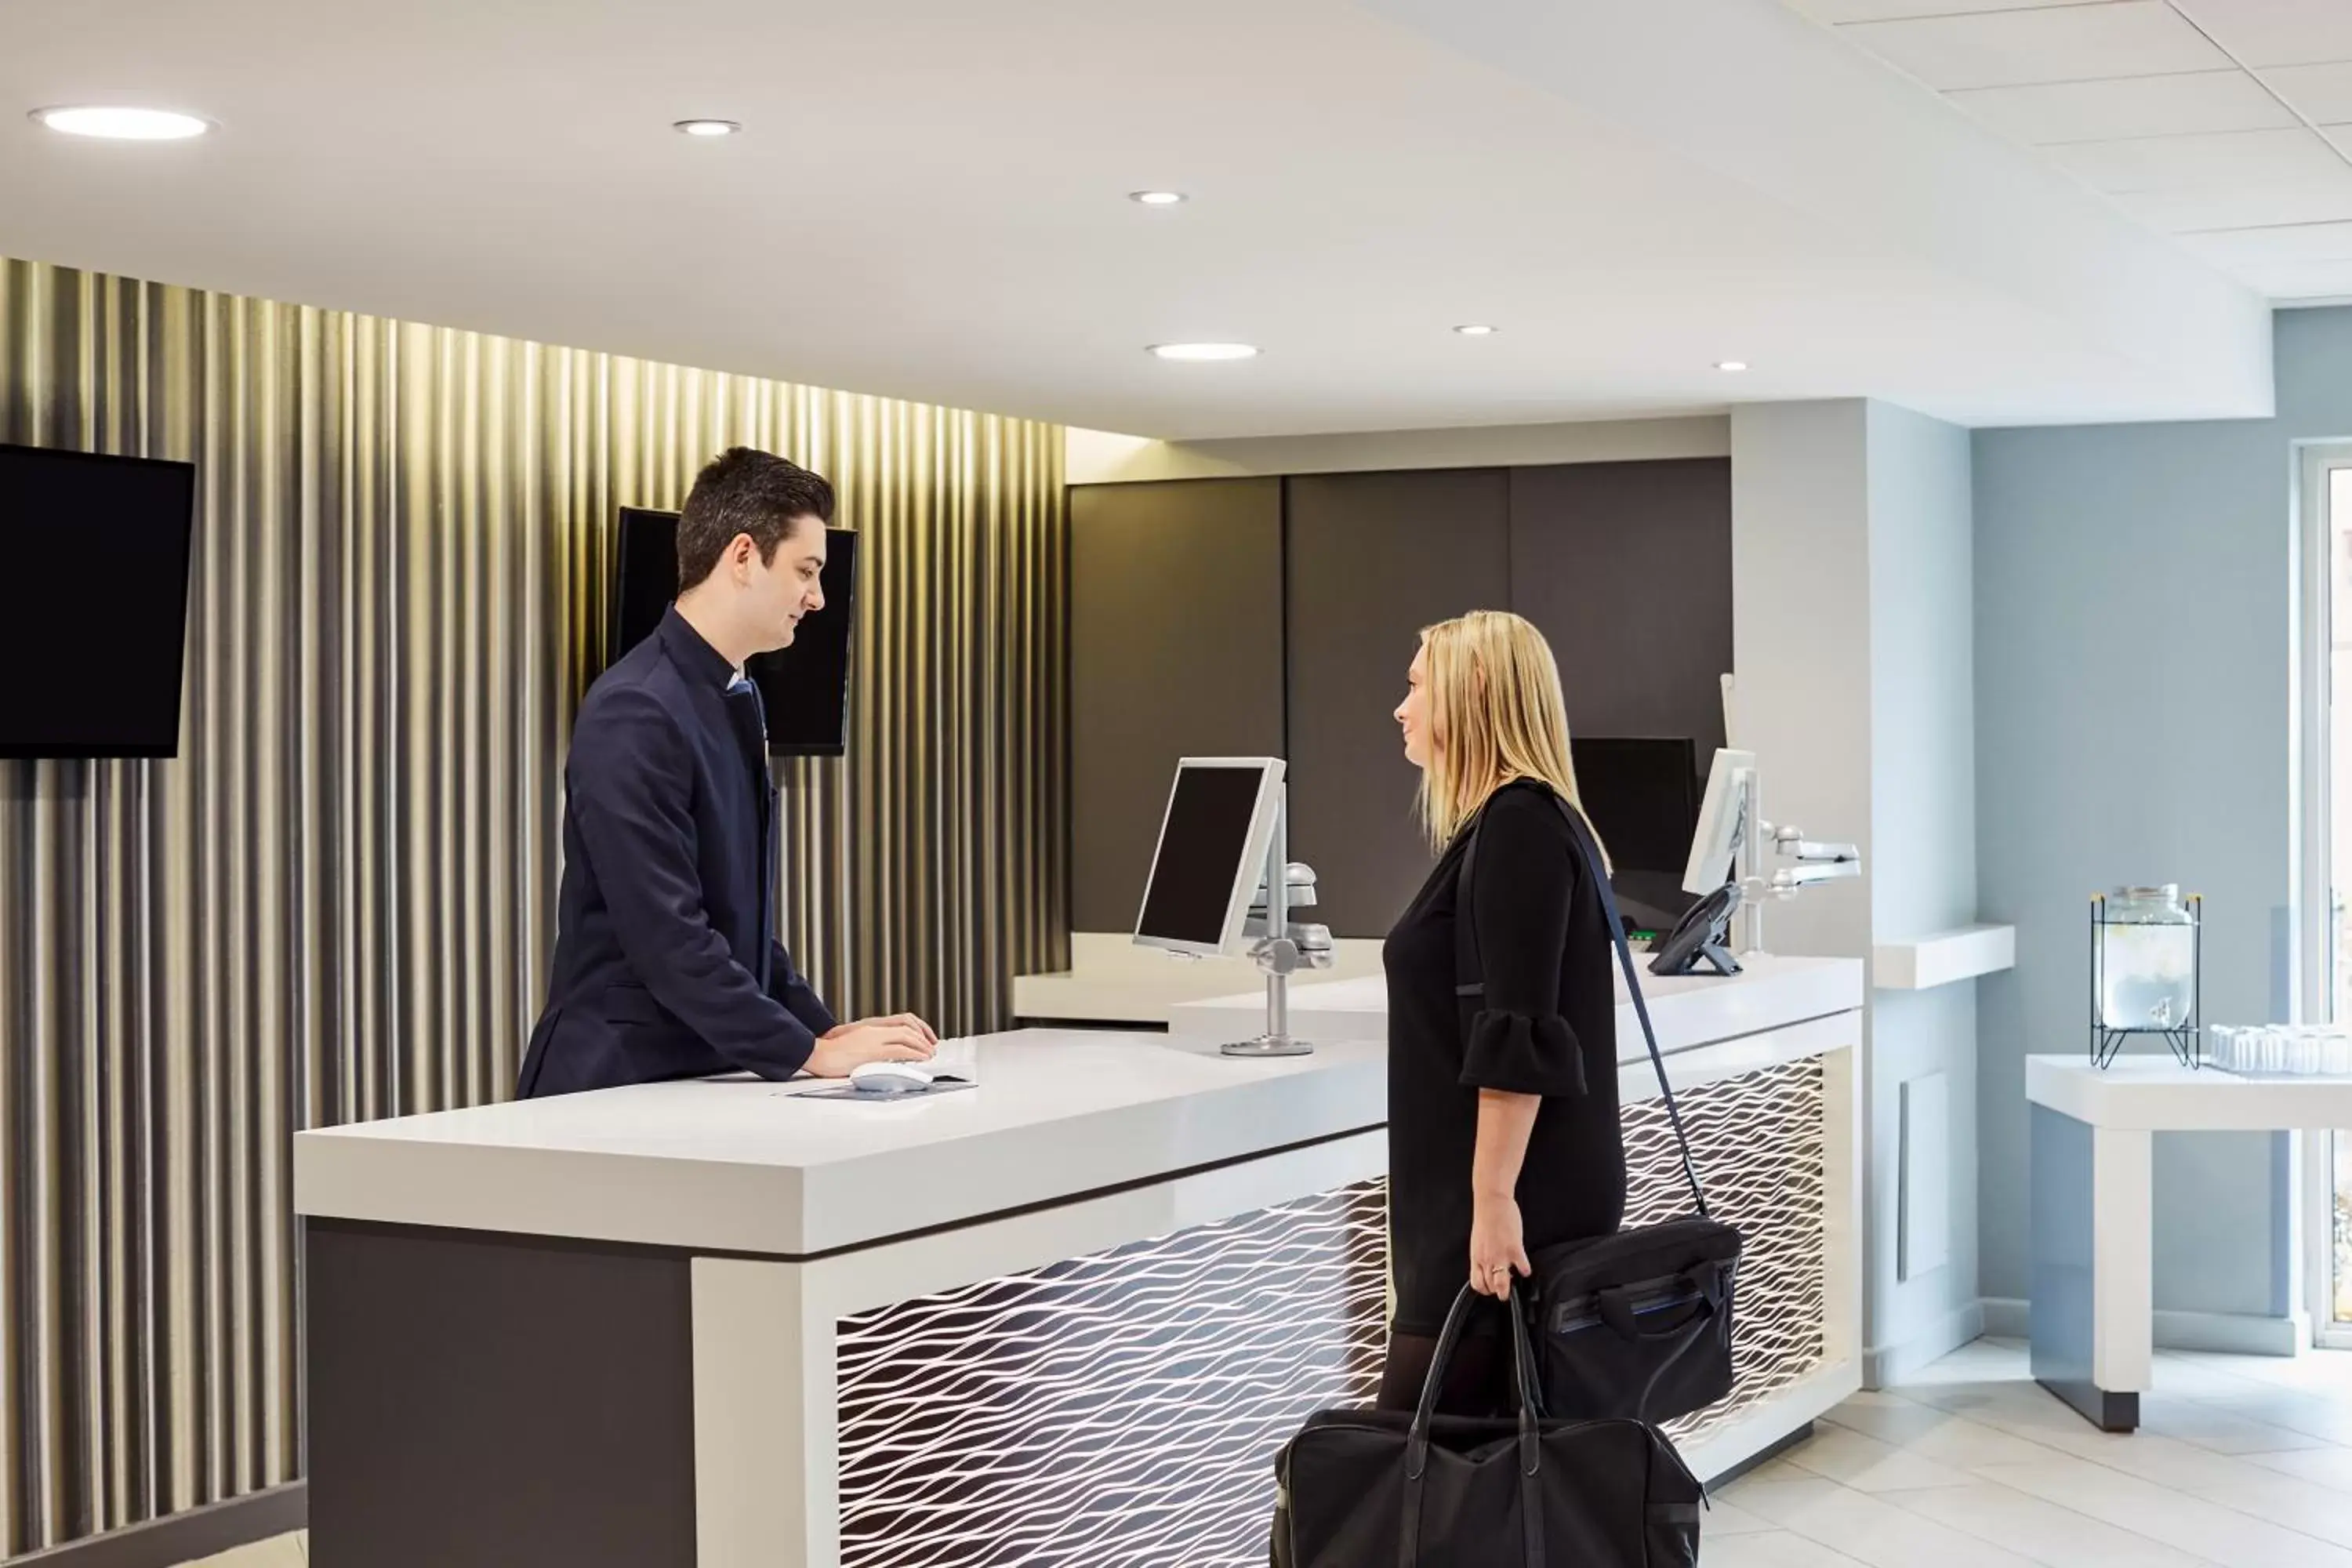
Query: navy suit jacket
[[666, 962]]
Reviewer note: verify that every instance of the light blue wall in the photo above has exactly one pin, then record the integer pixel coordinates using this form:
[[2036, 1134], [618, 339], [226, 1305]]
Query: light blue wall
[[2134, 661], [1923, 694], [1923, 877]]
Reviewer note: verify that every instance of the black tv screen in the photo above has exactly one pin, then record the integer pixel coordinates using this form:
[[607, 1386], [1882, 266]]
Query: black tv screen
[[69, 521], [805, 687]]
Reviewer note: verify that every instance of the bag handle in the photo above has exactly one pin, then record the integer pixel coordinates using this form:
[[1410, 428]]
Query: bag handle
[[1470, 978], [1530, 1442], [1616, 1308]]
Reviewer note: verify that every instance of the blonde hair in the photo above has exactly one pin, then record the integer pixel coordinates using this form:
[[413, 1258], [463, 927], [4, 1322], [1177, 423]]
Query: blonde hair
[[1495, 715]]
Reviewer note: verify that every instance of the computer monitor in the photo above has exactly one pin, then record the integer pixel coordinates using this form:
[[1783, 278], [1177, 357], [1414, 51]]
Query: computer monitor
[[1214, 841], [1715, 847], [1641, 796]]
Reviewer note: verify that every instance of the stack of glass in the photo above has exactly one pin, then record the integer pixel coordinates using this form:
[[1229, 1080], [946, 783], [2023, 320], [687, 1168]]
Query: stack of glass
[[2280, 1050]]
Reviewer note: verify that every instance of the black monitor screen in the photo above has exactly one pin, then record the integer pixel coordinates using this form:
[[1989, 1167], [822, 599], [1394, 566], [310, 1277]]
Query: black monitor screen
[[1202, 846], [1642, 797], [85, 691], [805, 687]]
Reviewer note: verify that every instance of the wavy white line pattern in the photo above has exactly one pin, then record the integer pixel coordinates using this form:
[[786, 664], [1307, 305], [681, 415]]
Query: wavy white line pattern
[[1760, 1142], [1118, 1410], [1123, 1410]]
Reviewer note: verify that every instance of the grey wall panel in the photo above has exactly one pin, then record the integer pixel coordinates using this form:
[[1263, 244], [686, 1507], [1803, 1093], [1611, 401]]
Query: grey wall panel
[[1175, 650], [1373, 558], [1626, 568]]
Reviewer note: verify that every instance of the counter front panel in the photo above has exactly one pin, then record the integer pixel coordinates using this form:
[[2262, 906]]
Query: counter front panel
[[1124, 1407]]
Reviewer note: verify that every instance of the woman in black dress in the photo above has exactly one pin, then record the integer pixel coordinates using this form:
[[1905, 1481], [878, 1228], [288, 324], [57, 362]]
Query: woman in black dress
[[1503, 1132]]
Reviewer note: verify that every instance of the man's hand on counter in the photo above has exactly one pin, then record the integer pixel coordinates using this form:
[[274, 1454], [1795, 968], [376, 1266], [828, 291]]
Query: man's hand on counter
[[900, 1037]]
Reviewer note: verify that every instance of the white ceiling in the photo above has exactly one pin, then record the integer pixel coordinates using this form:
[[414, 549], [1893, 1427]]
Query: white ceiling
[[2228, 122], [929, 199]]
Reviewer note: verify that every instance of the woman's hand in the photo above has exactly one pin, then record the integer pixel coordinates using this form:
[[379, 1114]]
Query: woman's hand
[[1496, 1249]]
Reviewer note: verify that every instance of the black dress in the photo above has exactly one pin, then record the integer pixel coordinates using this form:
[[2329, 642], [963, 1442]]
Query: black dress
[[1547, 1025]]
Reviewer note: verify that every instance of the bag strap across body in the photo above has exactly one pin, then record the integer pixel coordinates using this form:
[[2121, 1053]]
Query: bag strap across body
[[1470, 977]]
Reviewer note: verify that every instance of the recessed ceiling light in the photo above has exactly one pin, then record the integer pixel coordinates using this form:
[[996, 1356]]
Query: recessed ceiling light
[[1734, 366], [1475, 331], [1156, 198], [708, 127], [117, 123], [1204, 350]]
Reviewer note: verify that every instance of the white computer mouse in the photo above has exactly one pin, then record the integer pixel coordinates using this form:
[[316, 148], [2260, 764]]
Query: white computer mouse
[[890, 1077]]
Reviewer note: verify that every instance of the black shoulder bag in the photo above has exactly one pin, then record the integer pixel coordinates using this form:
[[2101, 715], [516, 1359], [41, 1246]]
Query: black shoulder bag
[[1636, 1324]]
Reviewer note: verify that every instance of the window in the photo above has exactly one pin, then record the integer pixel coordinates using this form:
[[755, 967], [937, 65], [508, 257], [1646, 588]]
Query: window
[[2327, 500]]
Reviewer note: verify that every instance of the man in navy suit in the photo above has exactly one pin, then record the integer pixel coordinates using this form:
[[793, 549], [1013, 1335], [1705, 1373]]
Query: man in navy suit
[[667, 962]]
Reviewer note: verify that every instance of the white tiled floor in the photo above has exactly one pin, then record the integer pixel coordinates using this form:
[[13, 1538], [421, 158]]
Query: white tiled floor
[[2242, 1462]]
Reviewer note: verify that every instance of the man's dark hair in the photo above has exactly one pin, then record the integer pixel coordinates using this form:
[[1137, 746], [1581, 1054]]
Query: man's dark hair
[[745, 492]]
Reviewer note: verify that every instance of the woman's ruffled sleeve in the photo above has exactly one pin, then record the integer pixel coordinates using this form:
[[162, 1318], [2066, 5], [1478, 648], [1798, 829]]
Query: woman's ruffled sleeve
[[1523, 1054], [1526, 876]]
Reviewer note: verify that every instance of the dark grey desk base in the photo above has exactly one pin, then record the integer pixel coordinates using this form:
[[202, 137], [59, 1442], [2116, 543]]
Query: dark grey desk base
[[479, 1401]]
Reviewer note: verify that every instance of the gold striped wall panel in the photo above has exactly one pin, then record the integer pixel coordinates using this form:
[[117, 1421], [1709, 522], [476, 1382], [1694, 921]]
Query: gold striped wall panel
[[338, 901]]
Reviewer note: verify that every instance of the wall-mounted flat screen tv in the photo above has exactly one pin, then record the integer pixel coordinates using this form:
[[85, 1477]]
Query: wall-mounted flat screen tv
[[805, 687], [113, 535]]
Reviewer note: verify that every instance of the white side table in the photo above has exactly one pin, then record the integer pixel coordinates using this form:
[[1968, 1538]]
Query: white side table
[[2093, 1311]]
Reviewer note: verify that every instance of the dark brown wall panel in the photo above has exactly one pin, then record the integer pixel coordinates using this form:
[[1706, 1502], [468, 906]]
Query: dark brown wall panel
[[1627, 569], [1373, 559], [1175, 650]]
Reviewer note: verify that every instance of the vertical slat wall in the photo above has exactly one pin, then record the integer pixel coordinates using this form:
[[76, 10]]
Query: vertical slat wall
[[337, 903]]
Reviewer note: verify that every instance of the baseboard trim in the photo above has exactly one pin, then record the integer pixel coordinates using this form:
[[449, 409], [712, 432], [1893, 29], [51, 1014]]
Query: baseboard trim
[[2223, 1333], [184, 1537], [1893, 1363], [1761, 1457]]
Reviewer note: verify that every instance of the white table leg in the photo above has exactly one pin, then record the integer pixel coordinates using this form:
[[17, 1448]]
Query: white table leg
[[2092, 1312]]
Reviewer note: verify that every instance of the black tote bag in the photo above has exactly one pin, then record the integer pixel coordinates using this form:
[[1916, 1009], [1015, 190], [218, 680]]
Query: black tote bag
[[1378, 1489], [1637, 1324]]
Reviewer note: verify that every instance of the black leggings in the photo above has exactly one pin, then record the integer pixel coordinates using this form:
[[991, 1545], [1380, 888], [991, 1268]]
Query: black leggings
[[1477, 1379]]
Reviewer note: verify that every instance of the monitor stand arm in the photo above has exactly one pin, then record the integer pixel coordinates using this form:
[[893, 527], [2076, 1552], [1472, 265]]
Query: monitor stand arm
[[1287, 949]]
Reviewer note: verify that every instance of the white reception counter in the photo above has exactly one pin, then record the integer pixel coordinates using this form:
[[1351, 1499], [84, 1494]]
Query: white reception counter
[[1066, 1314], [737, 1165]]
